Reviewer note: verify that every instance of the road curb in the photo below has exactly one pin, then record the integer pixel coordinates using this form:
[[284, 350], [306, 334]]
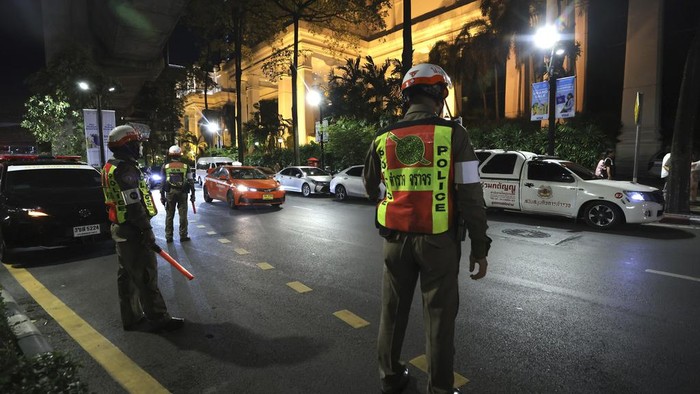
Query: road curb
[[30, 340], [673, 218]]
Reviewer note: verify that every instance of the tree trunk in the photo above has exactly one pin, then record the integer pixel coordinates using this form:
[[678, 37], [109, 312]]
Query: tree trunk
[[495, 91], [295, 117], [485, 103], [686, 121], [238, 20], [407, 54]]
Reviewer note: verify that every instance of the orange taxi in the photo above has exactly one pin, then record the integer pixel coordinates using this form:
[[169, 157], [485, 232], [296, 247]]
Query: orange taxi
[[242, 185]]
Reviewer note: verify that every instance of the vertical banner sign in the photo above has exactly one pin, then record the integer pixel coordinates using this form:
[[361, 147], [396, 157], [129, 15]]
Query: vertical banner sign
[[566, 98], [92, 134], [322, 131], [540, 101]]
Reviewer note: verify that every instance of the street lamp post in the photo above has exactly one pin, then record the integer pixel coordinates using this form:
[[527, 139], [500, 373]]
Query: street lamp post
[[547, 37], [315, 98], [100, 133]]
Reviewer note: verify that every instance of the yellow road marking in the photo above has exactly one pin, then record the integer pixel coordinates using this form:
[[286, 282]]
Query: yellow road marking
[[211, 232], [421, 362], [241, 251], [265, 266], [201, 226], [124, 371], [352, 319], [299, 287], [224, 240]]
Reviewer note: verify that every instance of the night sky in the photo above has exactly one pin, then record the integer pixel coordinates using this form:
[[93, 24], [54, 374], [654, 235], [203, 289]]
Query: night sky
[[22, 48]]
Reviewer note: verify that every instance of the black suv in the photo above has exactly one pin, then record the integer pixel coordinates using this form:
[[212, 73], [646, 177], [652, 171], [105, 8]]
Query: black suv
[[49, 201]]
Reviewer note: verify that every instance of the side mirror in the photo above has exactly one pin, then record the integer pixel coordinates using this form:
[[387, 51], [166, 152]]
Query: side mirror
[[298, 175]]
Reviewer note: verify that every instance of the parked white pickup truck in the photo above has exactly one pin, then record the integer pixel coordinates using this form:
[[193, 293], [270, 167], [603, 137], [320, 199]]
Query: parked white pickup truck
[[524, 181]]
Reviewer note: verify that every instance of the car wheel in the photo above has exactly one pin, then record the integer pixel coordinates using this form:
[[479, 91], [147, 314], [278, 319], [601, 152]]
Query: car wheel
[[207, 197], [306, 190], [340, 193], [602, 215], [231, 200]]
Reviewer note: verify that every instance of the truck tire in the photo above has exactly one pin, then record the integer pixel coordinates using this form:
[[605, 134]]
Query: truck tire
[[602, 215]]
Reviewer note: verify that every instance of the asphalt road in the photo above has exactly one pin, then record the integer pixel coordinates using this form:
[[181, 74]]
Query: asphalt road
[[563, 307]]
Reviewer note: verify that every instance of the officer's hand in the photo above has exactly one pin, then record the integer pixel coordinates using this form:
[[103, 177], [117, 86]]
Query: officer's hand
[[163, 200], [192, 198], [483, 264], [149, 239]]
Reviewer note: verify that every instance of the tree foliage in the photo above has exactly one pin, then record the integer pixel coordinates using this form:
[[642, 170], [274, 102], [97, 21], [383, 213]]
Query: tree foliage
[[349, 18], [49, 118], [161, 104], [349, 140], [368, 91]]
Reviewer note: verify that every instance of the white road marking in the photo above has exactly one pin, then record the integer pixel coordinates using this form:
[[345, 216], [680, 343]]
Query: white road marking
[[296, 206], [673, 275]]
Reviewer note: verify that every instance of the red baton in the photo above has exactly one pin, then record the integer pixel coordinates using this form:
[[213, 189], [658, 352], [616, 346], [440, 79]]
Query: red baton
[[172, 262], [194, 209]]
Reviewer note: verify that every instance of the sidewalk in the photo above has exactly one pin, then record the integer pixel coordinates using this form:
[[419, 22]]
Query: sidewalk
[[688, 218]]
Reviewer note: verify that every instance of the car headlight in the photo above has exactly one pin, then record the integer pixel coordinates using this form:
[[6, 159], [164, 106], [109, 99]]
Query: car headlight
[[242, 188], [638, 196], [156, 177]]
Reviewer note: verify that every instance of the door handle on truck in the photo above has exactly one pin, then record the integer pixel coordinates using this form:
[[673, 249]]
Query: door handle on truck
[[529, 184]]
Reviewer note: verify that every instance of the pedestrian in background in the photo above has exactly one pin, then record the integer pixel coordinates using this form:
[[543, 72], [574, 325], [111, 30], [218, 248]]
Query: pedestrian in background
[[131, 208], [665, 172], [609, 164], [423, 223], [600, 167], [177, 183]]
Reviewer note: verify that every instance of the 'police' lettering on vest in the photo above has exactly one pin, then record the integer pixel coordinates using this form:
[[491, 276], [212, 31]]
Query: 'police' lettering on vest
[[442, 175]]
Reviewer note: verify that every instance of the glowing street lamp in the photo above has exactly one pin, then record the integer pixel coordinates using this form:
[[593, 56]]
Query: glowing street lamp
[[315, 99], [214, 129], [85, 86], [547, 37]]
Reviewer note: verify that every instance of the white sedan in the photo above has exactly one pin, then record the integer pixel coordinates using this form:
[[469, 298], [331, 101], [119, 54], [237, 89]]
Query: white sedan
[[305, 179], [348, 183]]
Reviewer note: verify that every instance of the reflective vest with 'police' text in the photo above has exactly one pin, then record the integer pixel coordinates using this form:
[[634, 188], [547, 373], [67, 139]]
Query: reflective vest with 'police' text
[[117, 199], [416, 160]]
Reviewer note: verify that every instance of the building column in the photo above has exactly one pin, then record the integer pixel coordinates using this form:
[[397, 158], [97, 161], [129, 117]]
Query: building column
[[642, 74]]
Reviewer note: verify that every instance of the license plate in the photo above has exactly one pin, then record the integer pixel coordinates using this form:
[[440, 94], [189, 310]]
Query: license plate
[[268, 196], [90, 229]]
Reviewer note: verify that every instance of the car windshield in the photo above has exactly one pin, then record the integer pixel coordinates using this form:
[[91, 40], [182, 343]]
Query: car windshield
[[583, 172], [248, 173], [312, 171], [24, 181]]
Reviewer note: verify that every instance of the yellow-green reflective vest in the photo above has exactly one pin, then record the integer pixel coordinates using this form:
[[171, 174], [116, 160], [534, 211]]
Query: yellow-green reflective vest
[[176, 174], [115, 199], [416, 162]]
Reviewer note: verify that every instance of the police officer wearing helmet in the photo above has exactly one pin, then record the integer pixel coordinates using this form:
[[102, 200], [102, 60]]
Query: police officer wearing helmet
[[131, 208], [177, 182], [433, 196]]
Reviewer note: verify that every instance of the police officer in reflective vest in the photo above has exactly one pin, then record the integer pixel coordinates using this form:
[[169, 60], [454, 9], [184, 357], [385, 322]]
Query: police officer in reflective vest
[[131, 208], [433, 196], [177, 182]]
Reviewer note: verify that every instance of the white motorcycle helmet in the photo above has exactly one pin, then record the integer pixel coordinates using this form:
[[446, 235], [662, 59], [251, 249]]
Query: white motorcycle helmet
[[122, 135], [174, 151], [428, 79]]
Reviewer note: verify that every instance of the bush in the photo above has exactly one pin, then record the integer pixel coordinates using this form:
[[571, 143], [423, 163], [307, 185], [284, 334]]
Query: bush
[[47, 373], [580, 141], [349, 141]]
